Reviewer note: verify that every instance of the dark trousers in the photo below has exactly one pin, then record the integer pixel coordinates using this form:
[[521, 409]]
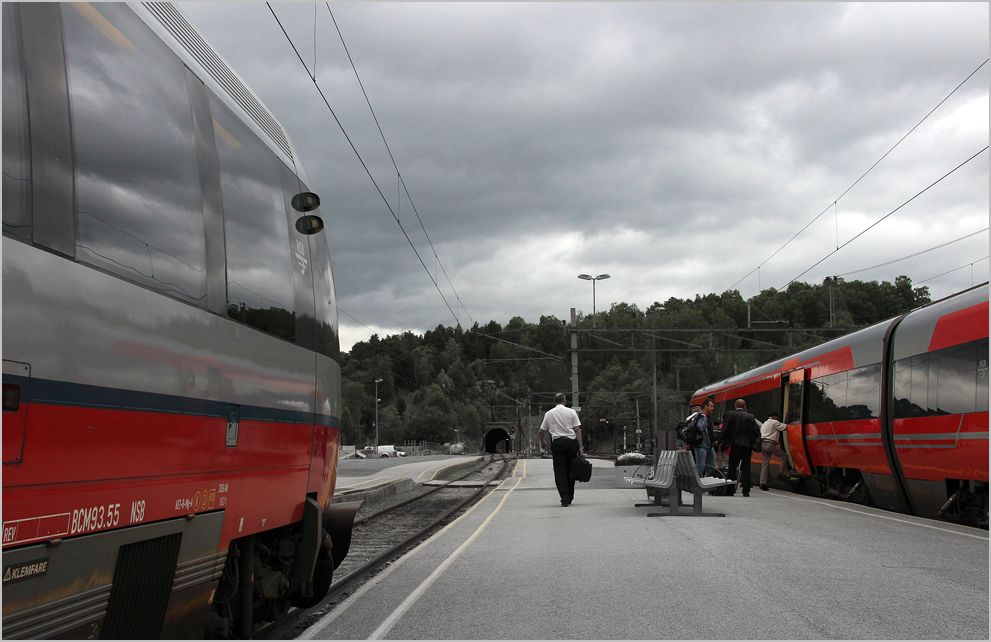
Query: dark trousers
[[740, 456], [563, 452]]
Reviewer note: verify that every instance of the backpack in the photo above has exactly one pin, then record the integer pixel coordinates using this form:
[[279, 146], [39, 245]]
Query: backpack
[[688, 432]]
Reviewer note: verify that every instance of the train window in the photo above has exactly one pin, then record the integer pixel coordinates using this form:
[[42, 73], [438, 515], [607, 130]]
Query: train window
[[863, 396], [919, 387], [16, 150], [761, 404], [852, 394], [903, 387], [949, 381], [256, 228], [793, 404], [719, 411], [819, 402], [911, 389], [956, 389], [138, 203], [827, 398]]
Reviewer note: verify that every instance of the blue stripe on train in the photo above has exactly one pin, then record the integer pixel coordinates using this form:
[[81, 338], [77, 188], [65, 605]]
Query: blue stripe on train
[[77, 394]]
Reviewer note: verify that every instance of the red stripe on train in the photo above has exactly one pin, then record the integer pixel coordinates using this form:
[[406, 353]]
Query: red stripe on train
[[88, 470], [961, 326]]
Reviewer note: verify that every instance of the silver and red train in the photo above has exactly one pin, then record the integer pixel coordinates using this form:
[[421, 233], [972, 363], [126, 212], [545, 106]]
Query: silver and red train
[[171, 390], [895, 415]]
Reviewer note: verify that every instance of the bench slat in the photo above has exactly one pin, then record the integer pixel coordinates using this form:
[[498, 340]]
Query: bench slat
[[675, 471], [664, 470]]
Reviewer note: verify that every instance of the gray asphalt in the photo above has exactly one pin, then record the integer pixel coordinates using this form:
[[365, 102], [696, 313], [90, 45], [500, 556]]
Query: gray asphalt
[[778, 566]]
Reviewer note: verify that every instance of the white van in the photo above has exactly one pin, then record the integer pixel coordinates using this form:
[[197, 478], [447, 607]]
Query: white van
[[384, 451]]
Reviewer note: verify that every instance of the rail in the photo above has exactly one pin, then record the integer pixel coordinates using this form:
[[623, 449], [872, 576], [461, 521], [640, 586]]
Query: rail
[[297, 618]]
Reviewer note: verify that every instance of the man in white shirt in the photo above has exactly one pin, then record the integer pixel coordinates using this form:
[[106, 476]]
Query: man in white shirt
[[769, 432], [564, 430]]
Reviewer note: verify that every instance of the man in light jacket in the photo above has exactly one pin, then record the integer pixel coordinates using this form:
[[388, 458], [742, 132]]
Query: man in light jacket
[[769, 432]]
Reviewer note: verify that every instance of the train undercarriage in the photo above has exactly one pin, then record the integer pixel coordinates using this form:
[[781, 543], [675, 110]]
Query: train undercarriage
[[966, 503], [962, 502], [841, 483], [267, 573]]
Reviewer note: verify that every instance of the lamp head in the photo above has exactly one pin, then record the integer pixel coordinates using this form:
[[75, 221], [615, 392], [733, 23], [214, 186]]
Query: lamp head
[[306, 202], [585, 277], [602, 276]]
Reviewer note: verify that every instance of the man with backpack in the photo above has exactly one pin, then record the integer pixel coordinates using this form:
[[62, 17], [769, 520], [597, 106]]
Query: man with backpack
[[741, 432], [696, 433], [686, 430]]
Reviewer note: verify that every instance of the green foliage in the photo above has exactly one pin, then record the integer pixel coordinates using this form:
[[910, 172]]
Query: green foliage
[[450, 378]]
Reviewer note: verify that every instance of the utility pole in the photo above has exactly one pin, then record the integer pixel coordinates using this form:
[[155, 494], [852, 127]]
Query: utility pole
[[831, 279], [638, 422], [653, 395], [574, 361]]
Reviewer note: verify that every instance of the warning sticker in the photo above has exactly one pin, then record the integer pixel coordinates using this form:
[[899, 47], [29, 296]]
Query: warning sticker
[[25, 570]]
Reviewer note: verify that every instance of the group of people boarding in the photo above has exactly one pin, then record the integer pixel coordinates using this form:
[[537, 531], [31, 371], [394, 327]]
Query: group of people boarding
[[742, 434], [560, 433]]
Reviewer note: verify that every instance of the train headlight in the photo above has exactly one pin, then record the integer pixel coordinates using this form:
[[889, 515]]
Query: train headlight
[[307, 202], [309, 224]]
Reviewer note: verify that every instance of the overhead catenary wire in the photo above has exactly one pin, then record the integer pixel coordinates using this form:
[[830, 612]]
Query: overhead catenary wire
[[869, 227], [519, 345], [364, 165], [971, 264], [914, 254], [409, 196], [392, 157], [833, 204], [358, 321]]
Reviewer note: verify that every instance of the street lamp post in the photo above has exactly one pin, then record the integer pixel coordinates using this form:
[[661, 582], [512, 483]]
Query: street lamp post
[[377, 382], [593, 279]]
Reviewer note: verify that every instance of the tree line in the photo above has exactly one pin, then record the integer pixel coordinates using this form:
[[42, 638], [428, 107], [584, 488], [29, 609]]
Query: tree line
[[451, 378]]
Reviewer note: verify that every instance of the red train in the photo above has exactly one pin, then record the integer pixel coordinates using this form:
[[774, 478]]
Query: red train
[[894, 415], [171, 390]]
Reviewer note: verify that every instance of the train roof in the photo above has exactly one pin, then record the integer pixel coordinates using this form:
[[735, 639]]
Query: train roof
[[866, 345], [175, 30], [956, 319]]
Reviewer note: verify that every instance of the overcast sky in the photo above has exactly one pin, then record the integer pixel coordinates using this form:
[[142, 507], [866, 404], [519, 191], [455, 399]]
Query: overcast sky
[[673, 146]]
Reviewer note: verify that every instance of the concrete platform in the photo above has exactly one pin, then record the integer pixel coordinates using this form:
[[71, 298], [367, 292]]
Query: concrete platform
[[368, 479], [778, 566]]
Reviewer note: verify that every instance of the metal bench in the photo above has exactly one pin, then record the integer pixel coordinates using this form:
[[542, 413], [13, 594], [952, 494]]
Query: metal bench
[[685, 478], [662, 483]]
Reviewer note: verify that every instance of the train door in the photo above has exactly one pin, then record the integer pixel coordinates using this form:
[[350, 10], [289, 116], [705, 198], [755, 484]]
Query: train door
[[793, 394]]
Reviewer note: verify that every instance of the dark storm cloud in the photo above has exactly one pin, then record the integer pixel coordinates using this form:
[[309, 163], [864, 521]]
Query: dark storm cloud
[[543, 140]]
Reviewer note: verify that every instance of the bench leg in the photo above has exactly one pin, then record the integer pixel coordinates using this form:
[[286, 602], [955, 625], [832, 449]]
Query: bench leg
[[655, 499], [696, 504], [659, 495]]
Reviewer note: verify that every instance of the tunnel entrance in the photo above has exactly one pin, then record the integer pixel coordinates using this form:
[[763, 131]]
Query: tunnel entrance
[[497, 440]]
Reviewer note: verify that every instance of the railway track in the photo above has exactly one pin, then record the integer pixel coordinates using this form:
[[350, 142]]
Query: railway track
[[387, 533]]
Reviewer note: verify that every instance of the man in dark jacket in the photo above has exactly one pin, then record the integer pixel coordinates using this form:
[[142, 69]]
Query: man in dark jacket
[[740, 432]]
